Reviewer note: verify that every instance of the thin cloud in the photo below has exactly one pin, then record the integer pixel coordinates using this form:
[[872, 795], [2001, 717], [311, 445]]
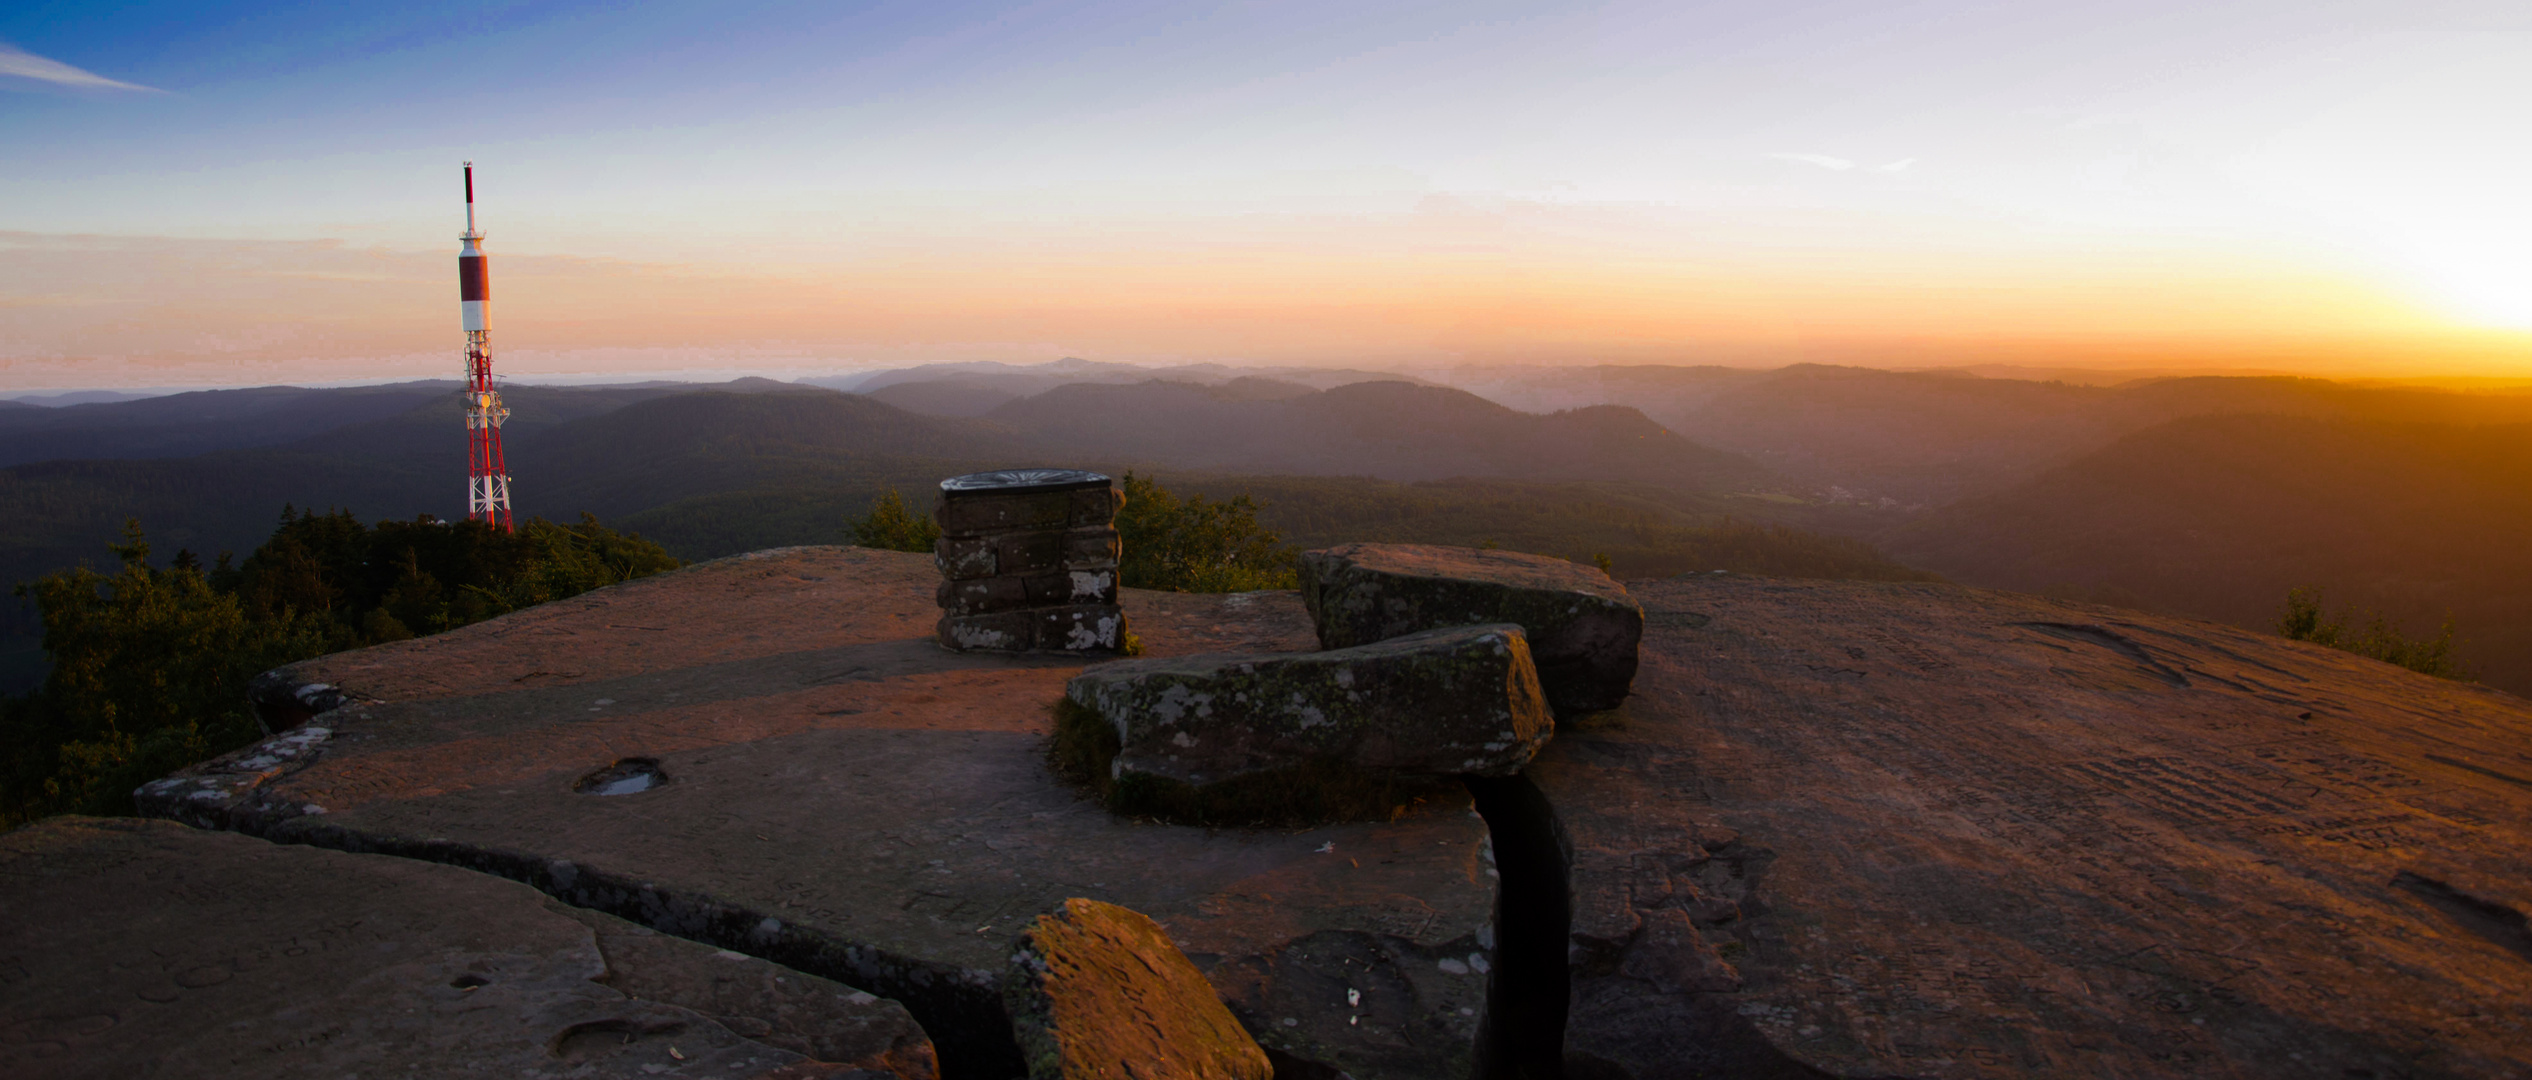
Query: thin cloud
[[19, 63], [1900, 165], [1837, 164]]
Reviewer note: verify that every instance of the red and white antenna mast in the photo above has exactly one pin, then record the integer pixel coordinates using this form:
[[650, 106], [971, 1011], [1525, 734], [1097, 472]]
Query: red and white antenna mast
[[487, 476]]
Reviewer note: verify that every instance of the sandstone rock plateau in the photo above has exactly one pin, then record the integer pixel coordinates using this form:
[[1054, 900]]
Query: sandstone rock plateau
[[1582, 626], [1917, 830], [1450, 702], [803, 774], [144, 948], [1840, 829]]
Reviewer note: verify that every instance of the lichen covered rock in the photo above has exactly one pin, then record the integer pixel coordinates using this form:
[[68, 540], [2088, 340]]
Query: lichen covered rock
[[1098, 992], [1461, 700], [1582, 627]]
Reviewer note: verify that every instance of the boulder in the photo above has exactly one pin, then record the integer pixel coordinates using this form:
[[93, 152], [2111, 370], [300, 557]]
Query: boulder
[[1583, 628], [1462, 700], [145, 948], [1098, 992]]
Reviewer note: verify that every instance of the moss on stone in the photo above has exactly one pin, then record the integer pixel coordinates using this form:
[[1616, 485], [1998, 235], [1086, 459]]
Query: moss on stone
[[1315, 792]]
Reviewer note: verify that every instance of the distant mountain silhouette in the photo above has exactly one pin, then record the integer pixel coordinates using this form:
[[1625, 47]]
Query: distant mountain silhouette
[[960, 397], [2220, 516], [1022, 380], [1390, 430], [1929, 439], [180, 425]]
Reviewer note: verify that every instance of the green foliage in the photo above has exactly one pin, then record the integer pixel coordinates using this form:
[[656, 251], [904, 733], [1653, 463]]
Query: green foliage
[[150, 665], [892, 526], [2304, 620], [1198, 545], [1312, 793], [149, 673]]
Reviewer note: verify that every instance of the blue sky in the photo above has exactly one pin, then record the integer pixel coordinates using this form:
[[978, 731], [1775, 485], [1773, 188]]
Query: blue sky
[[2360, 156]]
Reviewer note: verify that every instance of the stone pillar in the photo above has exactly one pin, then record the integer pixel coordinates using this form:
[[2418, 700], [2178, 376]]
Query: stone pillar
[[1028, 562]]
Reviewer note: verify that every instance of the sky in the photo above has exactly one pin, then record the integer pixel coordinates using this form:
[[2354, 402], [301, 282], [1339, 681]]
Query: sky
[[232, 194]]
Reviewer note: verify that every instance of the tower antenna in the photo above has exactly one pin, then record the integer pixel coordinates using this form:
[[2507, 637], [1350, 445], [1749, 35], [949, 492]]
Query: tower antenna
[[487, 474]]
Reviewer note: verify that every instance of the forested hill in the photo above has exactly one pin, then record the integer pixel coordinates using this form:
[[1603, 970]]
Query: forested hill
[[1931, 438], [1391, 430], [2221, 516], [708, 472]]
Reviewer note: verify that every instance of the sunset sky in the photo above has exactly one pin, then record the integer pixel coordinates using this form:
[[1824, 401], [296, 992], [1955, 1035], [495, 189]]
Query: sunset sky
[[199, 194]]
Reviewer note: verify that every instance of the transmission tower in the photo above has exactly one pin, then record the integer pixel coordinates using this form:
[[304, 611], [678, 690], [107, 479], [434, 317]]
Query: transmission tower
[[487, 475]]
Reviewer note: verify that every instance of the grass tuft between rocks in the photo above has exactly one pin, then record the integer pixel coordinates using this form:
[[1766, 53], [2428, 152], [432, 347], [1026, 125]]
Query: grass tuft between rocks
[[1317, 792]]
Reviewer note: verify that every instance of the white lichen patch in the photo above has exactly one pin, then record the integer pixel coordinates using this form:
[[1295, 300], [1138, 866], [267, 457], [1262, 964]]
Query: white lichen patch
[[978, 637]]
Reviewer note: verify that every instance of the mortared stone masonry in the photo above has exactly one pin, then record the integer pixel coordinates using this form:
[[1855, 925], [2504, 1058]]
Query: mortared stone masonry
[[1028, 562]]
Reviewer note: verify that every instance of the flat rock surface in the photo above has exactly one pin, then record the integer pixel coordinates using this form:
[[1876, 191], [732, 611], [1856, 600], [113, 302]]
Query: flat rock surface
[[843, 795], [1926, 831], [147, 949]]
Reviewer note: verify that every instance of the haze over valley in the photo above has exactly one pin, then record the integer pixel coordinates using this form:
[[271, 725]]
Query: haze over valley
[[2206, 496]]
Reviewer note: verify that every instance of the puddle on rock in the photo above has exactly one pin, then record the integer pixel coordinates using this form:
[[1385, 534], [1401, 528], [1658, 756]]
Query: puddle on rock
[[629, 776]]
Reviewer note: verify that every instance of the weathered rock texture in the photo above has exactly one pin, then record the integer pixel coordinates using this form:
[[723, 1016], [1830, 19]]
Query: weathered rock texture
[[1461, 700], [1097, 992], [819, 1019], [1842, 828], [1028, 562], [144, 948], [1582, 626], [841, 795], [1915, 830]]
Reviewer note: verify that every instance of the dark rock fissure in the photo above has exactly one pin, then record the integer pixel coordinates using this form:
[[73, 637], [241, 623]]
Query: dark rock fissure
[[1527, 996], [2115, 642], [2499, 924], [964, 1016]]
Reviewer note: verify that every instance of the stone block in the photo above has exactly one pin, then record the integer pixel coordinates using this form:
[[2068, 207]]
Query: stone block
[[1096, 507], [965, 558], [1030, 552], [1089, 627], [979, 596], [1583, 628], [1079, 627], [988, 514], [1000, 631], [1096, 548], [1073, 587], [1459, 700], [1097, 991]]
